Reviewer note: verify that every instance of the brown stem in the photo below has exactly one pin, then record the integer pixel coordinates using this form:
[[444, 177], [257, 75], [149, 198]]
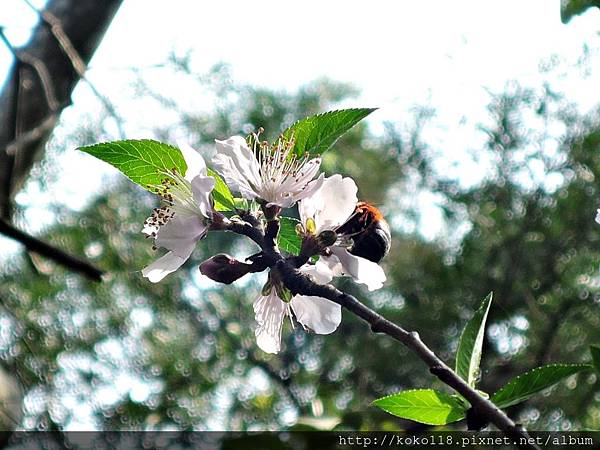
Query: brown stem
[[299, 283], [35, 245]]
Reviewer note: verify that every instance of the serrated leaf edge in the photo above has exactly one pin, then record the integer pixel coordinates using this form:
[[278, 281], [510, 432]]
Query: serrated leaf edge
[[143, 142], [581, 367], [459, 404], [321, 115]]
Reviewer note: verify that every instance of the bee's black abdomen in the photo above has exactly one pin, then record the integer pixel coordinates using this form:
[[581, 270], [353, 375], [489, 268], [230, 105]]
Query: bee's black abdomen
[[373, 244], [370, 233]]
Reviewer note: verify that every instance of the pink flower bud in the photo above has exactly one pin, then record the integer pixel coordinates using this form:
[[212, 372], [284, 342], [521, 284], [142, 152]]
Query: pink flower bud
[[224, 268]]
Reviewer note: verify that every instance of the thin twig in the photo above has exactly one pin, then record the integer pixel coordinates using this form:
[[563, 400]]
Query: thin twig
[[299, 283], [33, 135], [59, 256], [79, 65], [39, 68]]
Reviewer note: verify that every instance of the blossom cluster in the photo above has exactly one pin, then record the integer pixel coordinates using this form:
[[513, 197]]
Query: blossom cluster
[[274, 177]]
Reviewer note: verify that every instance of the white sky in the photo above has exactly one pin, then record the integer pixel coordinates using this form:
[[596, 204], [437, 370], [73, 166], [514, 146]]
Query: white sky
[[442, 54]]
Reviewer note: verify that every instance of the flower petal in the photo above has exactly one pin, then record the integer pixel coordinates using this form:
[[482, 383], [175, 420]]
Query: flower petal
[[180, 234], [238, 166], [316, 313], [163, 266], [339, 197], [194, 161], [294, 186], [598, 216], [296, 183], [331, 204], [202, 186], [269, 312], [319, 272], [309, 190], [362, 270]]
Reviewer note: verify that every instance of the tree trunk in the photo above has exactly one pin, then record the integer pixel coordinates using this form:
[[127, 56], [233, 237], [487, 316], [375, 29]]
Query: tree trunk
[[41, 81]]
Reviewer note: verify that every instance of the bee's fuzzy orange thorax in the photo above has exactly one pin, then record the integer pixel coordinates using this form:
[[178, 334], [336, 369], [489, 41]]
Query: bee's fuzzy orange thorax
[[370, 209]]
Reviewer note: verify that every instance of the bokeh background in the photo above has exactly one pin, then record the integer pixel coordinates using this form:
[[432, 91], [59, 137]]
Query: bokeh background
[[484, 157]]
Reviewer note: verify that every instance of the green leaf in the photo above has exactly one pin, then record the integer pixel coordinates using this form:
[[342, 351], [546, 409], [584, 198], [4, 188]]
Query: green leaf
[[595, 351], [221, 194], [288, 240], [468, 355], [570, 8], [423, 405], [316, 134], [241, 203], [141, 161], [524, 386]]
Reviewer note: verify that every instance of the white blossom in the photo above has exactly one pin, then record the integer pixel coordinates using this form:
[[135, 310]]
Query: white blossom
[[317, 314], [328, 207], [273, 174], [184, 217]]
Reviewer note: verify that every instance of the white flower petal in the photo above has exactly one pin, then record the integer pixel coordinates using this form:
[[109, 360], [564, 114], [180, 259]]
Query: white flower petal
[[163, 266], [180, 234], [313, 204], [331, 204], [319, 272], [309, 190], [269, 312], [194, 161], [362, 270], [297, 183], [598, 216], [236, 182], [339, 197], [238, 166], [202, 186], [318, 314]]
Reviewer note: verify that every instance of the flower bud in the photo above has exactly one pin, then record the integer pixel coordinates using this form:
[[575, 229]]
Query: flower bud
[[224, 268]]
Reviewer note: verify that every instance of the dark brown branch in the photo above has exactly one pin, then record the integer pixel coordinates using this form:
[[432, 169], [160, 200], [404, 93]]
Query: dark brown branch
[[301, 284], [57, 255], [39, 68], [246, 229], [32, 135], [79, 65]]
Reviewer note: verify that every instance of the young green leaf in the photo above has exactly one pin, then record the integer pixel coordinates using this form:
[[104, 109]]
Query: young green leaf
[[140, 160], [221, 194], [287, 239], [316, 134], [595, 351], [241, 203], [468, 355], [423, 405], [524, 386]]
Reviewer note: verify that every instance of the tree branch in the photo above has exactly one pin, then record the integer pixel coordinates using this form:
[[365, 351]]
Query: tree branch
[[78, 63], [57, 255], [299, 283], [40, 83]]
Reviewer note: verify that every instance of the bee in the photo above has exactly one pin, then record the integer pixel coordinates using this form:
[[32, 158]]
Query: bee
[[369, 232]]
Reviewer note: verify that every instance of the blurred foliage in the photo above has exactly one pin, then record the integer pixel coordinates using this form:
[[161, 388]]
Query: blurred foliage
[[181, 354], [570, 8]]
